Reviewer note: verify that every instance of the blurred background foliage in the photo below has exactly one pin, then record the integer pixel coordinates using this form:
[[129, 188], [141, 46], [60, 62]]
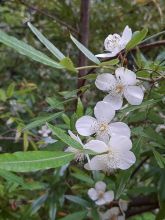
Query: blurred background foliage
[[26, 86]]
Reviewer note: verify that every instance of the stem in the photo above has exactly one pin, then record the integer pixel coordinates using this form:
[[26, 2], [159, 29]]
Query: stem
[[87, 67]]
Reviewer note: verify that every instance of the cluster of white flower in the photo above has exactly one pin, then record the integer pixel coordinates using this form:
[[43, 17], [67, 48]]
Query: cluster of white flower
[[112, 144]]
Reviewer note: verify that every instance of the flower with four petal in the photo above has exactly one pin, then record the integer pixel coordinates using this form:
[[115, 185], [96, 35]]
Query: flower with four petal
[[99, 195], [114, 43], [114, 155], [104, 113], [122, 84]]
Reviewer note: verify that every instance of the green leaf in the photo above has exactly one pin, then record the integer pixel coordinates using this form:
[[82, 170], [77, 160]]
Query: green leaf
[[77, 200], [11, 177], [135, 107], [110, 62], [2, 95], [36, 205], [77, 215], [27, 50], [159, 158], [55, 103], [34, 160], [68, 64], [80, 108], [42, 120], [85, 51], [138, 36], [10, 90], [54, 50], [64, 137]]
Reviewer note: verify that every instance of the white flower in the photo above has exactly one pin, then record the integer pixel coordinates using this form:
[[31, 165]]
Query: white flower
[[79, 153], [45, 131], [113, 214], [49, 140], [114, 43], [116, 154], [99, 195], [122, 84], [101, 125]]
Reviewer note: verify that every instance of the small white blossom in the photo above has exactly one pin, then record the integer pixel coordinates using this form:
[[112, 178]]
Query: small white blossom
[[114, 43], [122, 84], [99, 195], [49, 140], [114, 155], [45, 131], [104, 113], [16, 107], [112, 214]]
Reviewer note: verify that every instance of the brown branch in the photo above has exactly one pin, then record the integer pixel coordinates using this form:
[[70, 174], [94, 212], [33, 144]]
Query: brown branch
[[47, 14], [139, 205], [83, 38], [141, 210], [139, 166]]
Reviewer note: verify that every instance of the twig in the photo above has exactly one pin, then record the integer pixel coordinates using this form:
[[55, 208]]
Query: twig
[[139, 166]]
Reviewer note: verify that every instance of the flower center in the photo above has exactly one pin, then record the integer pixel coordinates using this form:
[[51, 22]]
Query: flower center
[[103, 127], [119, 89], [112, 41], [100, 194]]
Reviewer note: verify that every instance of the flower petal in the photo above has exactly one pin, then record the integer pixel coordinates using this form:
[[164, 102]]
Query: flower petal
[[100, 202], [116, 101], [104, 111], [103, 137], [127, 76], [127, 159], [127, 35], [106, 55], [119, 128], [134, 95], [105, 81], [109, 196], [74, 136], [100, 186], [120, 143], [86, 125], [92, 193], [96, 146], [97, 163]]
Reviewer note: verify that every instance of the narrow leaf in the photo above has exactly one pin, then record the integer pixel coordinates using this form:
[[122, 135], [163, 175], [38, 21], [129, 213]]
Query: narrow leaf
[[77, 215], [135, 107], [64, 137], [85, 51], [27, 50], [42, 120], [137, 38], [33, 160], [54, 50], [160, 160], [68, 64]]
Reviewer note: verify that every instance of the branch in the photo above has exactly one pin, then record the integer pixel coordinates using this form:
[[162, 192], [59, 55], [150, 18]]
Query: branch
[[84, 35], [139, 166], [32, 7]]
